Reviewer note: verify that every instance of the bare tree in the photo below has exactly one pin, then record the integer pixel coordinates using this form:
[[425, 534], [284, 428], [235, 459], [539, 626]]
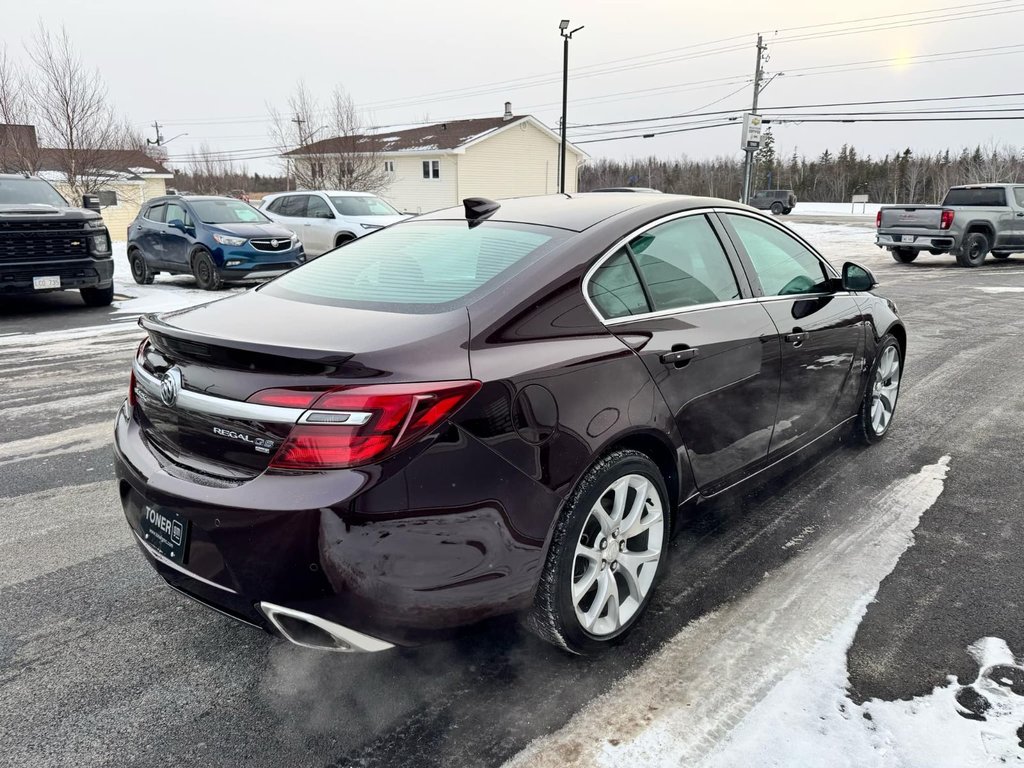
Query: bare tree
[[19, 148], [330, 143], [74, 114]]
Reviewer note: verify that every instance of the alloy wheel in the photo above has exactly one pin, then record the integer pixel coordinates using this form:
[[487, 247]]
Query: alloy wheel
[[886, 389], [617, 555]]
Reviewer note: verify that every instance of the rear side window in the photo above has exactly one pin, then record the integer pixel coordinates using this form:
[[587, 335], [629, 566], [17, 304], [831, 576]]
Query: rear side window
[[294, 205], [615, 288], [421, 266], [982, 196], [683, 264], [782, 264], [156, 212], [1018, 193]]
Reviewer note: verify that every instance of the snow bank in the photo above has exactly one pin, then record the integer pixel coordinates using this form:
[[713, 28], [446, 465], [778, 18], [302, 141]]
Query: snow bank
[[867, 210]]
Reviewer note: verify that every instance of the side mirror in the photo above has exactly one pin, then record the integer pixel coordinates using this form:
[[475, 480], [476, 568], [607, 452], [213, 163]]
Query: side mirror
[[91, 202], [176, 224], [857, 278]]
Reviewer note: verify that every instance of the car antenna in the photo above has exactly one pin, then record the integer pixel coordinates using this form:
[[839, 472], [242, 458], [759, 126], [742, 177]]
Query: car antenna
[[479, 208]]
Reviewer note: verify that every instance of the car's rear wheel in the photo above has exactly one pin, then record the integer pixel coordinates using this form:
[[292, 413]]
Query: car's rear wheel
[[606, 556], [205, 272], [777, 208], [904, 255], [974, 250], [141, 272], [97, 297], [879, 404], [1000, 255]]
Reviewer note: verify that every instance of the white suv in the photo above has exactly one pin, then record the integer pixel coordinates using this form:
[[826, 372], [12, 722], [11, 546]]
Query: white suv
[[326, 219]]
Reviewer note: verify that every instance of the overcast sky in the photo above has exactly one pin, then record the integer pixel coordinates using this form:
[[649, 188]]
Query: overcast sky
[[210, 68]]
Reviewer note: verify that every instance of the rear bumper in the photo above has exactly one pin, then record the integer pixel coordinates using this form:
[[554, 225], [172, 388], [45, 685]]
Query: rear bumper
[[16, 277], [398, 559], [921, 241]]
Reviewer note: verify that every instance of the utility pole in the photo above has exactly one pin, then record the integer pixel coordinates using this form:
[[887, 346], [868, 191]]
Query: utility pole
[[748, 162], [159, 139], [563, 25]]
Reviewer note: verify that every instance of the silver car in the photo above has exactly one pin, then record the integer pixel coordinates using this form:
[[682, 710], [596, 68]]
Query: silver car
[[325, 219]]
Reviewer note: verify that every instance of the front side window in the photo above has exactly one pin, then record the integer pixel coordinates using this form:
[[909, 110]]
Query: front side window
[[420, 266], [227, 212], [683, 264], [317, 208], [176, 212], [431, 169], [782, 264], [615, 288]]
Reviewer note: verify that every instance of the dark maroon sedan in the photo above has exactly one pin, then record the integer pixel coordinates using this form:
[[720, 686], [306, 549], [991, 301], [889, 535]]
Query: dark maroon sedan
[[499, 409]]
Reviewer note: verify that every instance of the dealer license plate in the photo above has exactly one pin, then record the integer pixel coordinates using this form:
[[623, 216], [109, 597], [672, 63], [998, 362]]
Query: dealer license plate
[[165, 531], [47, 281]]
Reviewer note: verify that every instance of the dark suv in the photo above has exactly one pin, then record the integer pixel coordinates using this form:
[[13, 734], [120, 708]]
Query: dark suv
[[46, 245], [778, 201], [216, 239]]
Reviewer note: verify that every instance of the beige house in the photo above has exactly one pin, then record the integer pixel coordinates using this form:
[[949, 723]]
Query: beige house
[[437, 166], [123, 178]]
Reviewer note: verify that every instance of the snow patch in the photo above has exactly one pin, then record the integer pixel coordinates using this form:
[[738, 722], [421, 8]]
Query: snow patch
[[999, 289]]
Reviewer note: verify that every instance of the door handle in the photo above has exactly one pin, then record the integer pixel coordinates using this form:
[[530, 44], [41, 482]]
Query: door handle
[[797, 337], [680, 355]]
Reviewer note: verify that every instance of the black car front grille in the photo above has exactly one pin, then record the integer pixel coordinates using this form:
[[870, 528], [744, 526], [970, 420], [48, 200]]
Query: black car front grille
[[41, 245], [268, 244], [261, 267]]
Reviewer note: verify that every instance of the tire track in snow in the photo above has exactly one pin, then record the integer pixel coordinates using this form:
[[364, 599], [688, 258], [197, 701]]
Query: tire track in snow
[[687, 699]]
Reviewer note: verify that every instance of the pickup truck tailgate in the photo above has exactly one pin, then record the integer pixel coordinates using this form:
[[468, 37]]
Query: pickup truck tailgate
[[911, 217]]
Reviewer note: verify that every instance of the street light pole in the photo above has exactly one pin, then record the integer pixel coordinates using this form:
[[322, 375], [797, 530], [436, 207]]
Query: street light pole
[[563, 25]]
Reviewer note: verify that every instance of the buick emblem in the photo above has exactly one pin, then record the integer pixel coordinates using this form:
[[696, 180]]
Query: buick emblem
[[273, 243], [170, 386]]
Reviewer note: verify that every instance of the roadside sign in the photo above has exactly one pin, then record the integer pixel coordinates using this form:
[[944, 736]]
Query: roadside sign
[[751, 131]]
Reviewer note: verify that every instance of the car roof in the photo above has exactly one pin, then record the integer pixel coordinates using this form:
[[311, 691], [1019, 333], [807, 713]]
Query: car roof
[[581, 211], [188, 198], [335, 192]]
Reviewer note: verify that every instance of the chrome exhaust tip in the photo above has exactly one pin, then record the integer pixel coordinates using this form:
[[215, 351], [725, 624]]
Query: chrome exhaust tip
[[311, 631]]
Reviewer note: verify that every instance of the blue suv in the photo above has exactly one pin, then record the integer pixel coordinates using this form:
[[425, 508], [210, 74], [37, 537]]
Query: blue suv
[[216, 239]]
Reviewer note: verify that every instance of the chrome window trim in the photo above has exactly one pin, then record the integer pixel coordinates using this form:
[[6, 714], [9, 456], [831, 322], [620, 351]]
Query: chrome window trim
[[695, 307], [197, 402]]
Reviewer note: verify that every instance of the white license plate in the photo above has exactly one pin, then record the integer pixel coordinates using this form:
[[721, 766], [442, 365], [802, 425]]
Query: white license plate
[[48, 281], [907, 239]]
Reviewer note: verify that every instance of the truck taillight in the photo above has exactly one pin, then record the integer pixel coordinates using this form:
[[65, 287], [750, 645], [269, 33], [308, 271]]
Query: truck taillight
[[352, 426], [946, 220], [878, 220]]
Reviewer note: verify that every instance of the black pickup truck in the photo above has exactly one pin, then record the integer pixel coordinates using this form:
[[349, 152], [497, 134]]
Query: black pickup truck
[[46, 245]]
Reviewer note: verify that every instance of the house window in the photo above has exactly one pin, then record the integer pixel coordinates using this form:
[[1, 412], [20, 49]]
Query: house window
[[389, 166], [431, 169], [107, 197]]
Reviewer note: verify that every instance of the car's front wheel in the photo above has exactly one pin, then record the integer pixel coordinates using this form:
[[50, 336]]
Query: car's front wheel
[[608, 550], [205, 272], [97, 297], [879, 404]]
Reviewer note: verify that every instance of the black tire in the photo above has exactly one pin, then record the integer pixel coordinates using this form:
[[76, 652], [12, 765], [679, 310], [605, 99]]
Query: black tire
[[141, 272], [777, 208], [865, 429], [973, 250], [553, 617], [1000, 255], [904, 255], [205, 272], [786, 211], [97, 297]]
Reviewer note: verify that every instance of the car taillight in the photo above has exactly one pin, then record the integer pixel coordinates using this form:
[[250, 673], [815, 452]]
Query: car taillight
[[131, 390], [878, 220], [946, 220], [351, 426]]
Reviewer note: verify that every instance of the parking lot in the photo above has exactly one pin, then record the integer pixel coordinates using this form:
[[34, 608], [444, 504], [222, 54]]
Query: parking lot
[[859, 582]]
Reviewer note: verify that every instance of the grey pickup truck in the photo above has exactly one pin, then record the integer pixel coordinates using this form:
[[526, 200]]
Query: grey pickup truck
[[973, 221]]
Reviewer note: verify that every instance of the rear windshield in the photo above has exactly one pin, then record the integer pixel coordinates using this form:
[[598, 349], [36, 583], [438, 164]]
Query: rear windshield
[[985, 196], [227, 212], [418, 266], [29, 192]]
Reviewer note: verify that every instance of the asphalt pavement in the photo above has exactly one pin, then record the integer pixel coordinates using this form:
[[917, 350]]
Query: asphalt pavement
[[102, 665]]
